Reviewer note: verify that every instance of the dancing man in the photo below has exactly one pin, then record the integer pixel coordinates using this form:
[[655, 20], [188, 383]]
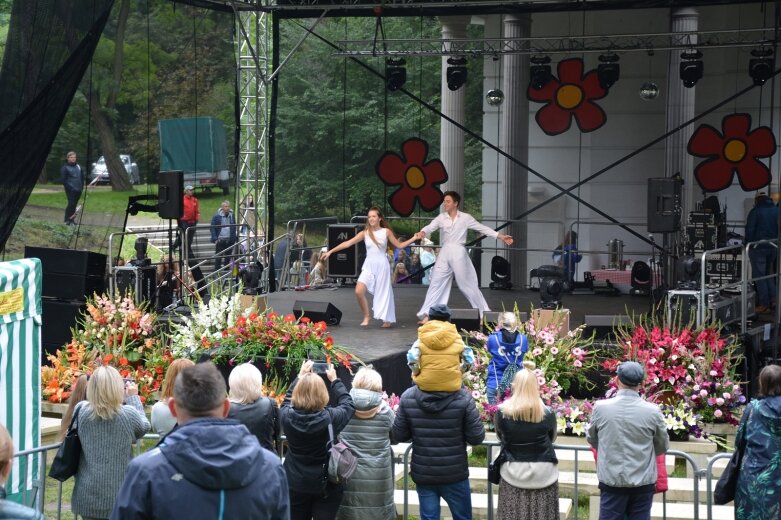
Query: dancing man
[[375, 274], [453, 259]]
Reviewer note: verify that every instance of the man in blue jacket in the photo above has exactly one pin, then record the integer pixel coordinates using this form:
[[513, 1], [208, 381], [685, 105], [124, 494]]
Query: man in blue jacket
[[73, 181], [224, 234], [208, 467], [762, 224]]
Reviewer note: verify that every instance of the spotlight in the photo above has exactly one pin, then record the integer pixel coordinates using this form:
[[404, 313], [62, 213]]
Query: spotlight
[[608, 70], [551, 285], [761, 66], [395, 73], [141, 260], [456, 73], [691, 68], [649, 91], [539, 72], [494, 97]]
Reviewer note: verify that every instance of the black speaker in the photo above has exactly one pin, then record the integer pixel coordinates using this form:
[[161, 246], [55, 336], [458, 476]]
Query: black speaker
[[664, 205], [57, 318], [69, 274], [318, 311], [345, 263], [467, 319], [141, 281], [71, 286], [604, 325], [170, 194]]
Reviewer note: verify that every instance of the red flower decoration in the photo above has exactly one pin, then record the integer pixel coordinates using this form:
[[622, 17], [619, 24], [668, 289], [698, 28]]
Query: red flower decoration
[[417, 180], [572, 94], [734, 151]]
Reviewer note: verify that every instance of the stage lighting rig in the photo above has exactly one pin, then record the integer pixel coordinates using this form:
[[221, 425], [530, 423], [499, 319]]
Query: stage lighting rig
[[688, 272], [608, 70], [456, 73], [395, 73], [761, 66], [551, 285], [539, 72], [691, 67]]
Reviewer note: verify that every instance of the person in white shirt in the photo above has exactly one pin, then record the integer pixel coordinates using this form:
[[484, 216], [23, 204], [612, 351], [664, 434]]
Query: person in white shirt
[[453, 260]]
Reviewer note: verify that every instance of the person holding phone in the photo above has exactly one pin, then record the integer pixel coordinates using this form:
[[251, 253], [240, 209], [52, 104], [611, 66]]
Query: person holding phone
[[305, 417]]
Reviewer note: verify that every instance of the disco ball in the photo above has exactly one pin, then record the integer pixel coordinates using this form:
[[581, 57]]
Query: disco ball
[[494, 97], [649, 91]]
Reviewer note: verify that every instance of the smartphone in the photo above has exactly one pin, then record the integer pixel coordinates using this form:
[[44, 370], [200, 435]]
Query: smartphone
[[320, 368], [128, 380]]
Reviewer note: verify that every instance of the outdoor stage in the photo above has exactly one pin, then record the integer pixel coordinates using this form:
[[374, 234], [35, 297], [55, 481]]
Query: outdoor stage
[[386, 348]]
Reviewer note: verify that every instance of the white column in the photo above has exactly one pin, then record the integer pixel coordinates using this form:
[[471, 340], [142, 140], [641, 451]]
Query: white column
[[451, 137], [515, 133], [680, 108]]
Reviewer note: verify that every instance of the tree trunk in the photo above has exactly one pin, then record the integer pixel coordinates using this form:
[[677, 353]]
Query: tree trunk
[[120, 181]]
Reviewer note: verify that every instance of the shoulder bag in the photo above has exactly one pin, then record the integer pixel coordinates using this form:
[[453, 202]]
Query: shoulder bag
[[728, 482], [66, 462]]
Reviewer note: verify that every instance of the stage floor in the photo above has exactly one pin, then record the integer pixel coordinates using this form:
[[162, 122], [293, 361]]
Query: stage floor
[[373, 344]]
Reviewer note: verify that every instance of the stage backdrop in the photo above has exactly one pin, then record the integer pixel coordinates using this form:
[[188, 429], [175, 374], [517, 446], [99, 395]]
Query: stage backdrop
[[20, 364]]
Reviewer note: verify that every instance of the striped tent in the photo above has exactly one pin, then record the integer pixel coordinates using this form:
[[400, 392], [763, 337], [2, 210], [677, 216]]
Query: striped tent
[[20, 364]]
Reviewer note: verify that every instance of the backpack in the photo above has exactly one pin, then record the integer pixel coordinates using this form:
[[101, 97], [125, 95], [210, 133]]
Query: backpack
[[342, 462], [507, 379]]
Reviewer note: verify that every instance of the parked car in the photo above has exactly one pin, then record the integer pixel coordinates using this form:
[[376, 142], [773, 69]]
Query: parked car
[[100, 172]]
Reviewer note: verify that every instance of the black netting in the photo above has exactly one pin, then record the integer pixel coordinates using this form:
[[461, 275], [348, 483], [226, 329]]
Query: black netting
[[49, 47]]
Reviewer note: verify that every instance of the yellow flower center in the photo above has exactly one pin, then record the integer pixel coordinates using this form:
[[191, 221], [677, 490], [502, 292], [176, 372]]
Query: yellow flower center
[[415, 178], [569, 96], [735, 150]]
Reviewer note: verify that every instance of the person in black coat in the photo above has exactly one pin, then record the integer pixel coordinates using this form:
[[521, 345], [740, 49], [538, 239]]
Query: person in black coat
[[305, 416], [248, 405], [439, 424]]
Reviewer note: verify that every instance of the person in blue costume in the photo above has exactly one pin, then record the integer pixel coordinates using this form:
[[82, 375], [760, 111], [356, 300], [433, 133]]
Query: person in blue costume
[[566, 256], [506, 346]]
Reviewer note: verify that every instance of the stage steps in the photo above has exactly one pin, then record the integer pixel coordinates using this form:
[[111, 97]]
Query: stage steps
[[158, 239]]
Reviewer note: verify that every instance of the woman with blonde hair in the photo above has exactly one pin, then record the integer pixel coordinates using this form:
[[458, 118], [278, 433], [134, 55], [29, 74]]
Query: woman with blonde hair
[[107, 431], [78, 394], [305, 417], [248, 405], [375, 274], [11, 510], [162, 420], [400, 274], [527, 428], [369, 493]]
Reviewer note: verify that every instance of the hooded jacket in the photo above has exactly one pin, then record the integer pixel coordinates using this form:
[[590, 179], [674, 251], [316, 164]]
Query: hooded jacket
[[440, 425], [756, 495], [505, 347], [440, 357], [762, 222], [307, 438], [369, 493], [206, 468]]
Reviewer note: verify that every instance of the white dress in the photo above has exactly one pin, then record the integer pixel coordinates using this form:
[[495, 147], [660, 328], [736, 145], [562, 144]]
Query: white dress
[[376, 276]]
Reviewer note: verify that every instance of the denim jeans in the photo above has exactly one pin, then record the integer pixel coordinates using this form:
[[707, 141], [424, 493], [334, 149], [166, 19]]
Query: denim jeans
[[614, 506], [762, 260], [490, 395], [458, 497]]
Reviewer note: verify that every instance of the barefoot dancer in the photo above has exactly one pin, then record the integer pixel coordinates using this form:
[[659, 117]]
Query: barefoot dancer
[[375, 273]]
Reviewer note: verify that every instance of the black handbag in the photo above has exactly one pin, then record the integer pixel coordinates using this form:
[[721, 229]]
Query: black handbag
[[495, 466], [728, 482], [66, 462]]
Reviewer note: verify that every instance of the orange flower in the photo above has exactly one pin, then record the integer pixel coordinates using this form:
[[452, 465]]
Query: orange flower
[[123, 361], [320, 326], [253, 316], [305, 319], [328, 358], [290, 318], [108, 357]]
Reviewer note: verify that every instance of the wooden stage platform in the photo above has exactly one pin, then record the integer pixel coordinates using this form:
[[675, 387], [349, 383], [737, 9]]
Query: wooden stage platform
[[386, 348]]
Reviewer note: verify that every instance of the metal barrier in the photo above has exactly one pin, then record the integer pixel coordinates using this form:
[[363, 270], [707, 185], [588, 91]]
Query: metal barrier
[[37, 501]]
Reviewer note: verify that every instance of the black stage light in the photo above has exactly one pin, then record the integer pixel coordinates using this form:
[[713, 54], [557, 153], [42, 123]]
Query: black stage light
[[551, 285], [691, 68], [500, 274], [608, 70], [761, 66], [688, 272], [539, 72], [395, 73], [456, 73]]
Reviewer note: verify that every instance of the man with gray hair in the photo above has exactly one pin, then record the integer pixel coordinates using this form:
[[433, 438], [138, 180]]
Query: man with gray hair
[[629, 433], [224, 234], [209, 467]]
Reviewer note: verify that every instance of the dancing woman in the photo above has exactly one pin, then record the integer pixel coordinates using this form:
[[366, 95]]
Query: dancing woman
[[375, 274]]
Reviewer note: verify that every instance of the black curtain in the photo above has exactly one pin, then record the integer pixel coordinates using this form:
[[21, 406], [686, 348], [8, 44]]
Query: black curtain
[[49, 47]]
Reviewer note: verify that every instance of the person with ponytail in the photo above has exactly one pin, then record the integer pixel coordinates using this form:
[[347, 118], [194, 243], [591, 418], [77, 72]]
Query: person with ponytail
[[529, 486], [375, 274]]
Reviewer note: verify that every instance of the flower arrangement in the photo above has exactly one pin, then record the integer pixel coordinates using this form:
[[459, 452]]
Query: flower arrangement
[[573, 415], [113, 331], [204, 327], [268, 337], [680, 419]]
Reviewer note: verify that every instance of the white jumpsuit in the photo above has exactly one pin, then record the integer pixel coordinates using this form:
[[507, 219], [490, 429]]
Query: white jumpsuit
[[376, 276], [453, 260]]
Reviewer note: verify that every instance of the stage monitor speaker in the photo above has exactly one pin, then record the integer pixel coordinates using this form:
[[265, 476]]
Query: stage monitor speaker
[[467, 319], [170, 194], [603, 325], [345, 263], [318, 311], [664, 205]]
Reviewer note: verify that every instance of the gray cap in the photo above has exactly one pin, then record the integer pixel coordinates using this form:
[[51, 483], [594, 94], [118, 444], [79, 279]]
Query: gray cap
[[631, 373], [189, 187], [439, 312]]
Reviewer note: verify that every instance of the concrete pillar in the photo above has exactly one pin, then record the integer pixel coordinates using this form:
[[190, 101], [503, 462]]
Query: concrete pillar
[[452, 105]]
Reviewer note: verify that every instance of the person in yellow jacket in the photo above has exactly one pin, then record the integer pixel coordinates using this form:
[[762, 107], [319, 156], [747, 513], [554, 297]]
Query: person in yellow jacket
[[439, 356]]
